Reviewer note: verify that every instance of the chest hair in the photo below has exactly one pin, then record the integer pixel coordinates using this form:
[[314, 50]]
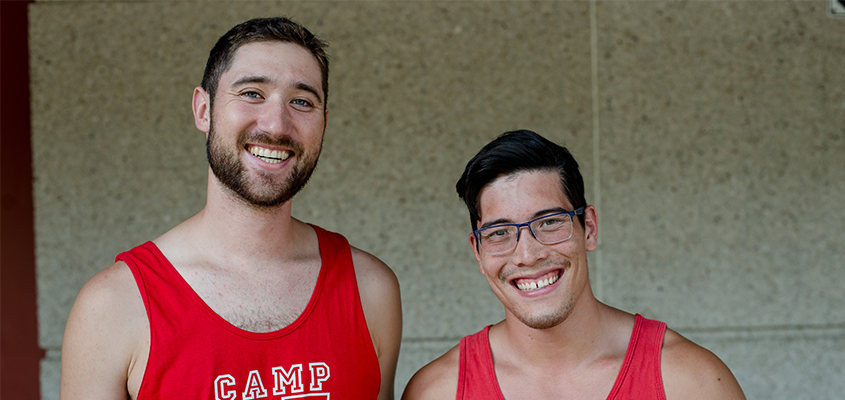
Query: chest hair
[[256, 302]]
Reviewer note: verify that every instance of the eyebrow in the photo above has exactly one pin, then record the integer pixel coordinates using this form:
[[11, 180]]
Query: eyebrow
[[250, 79], [308, 88], [538, 214], [263, 79]]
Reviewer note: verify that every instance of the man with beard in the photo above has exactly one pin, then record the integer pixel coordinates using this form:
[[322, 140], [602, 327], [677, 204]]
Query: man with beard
[[242, 301], [532, 229]]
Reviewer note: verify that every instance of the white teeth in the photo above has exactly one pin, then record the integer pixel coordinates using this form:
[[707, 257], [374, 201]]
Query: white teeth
[[529, 286], [270, 156]]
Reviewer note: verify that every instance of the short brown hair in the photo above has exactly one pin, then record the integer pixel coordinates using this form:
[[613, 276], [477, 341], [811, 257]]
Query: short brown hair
[[279, 29]]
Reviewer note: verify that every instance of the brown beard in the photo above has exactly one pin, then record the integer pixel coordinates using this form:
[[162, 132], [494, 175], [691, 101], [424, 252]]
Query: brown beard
[[264, 194]]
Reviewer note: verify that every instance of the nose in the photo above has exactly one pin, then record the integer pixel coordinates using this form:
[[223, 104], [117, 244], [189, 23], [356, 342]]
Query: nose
[[528, 250], [274, 118]]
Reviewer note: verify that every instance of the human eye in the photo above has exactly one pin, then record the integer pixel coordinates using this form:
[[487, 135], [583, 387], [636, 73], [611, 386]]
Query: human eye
[[251, 94], [553, 222], [302, 103], [496, 233]]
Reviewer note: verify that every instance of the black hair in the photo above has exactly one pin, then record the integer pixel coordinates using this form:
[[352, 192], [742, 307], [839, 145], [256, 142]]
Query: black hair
[[519, 151]]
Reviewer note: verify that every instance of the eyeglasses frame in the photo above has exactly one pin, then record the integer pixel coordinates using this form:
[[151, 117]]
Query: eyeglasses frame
[[519, 227]]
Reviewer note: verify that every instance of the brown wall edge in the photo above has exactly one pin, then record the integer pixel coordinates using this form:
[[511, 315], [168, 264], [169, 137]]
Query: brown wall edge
[[20, 355]]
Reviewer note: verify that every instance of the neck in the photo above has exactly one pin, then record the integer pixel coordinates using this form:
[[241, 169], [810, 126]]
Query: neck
[[582, 337], [229, 231]]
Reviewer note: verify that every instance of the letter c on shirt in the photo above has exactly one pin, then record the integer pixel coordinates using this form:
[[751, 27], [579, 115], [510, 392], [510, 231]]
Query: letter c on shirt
[[221, 385]]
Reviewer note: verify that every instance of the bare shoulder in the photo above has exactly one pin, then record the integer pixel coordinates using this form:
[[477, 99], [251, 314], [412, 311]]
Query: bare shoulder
[[380, 299], [377, 285], [437, 381], [105, 336], [110, 299], [372, 270], [693, 372]]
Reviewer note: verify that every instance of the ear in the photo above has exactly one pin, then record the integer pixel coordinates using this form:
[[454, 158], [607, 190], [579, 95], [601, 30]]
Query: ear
[[591, 228], [201, 104], [473, 243]]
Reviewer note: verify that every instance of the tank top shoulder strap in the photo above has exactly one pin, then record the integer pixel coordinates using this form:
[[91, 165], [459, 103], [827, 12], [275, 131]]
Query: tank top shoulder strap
[[640, 375], [476, 373], [337, 266], [146, 255], [334, 248], [146, 263], [152, 272]]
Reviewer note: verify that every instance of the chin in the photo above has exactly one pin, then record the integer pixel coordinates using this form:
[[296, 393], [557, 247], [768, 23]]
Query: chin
[[546, 320]]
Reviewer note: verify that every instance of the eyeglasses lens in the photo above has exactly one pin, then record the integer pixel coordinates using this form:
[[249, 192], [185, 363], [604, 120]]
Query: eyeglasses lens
[[547, 230]]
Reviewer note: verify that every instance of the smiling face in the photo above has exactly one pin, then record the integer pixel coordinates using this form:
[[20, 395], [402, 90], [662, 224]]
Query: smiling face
[[538, 284], [265, 125]]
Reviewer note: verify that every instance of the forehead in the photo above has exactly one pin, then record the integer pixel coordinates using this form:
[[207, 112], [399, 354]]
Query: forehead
[[274, 60], [519, 196]]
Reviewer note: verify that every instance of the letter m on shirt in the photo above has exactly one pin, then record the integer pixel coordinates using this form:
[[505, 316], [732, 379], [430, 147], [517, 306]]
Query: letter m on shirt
[[287, 378]]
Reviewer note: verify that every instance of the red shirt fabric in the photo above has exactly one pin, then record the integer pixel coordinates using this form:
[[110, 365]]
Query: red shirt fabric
[[639, 377], [196, 354]]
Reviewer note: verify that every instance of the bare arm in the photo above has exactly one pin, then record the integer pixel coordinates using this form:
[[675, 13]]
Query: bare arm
[[436, 381], [691, 372], [102, 352], [379, 291]]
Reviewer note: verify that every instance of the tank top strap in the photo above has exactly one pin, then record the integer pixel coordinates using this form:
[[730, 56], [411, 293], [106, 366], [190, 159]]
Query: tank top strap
[[337, 270], [150, 268], [476, 373], [334, 248], [640, 375]]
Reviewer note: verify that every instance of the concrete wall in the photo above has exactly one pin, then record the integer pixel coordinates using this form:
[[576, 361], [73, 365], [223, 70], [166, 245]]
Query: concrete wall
[[710, 135]]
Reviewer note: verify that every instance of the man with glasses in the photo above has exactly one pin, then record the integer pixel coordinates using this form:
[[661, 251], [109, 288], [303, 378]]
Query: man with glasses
[[532, 229]]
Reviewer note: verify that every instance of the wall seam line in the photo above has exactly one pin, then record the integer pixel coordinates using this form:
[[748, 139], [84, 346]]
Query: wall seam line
[[762, 329], [778, 330], [599, 269]]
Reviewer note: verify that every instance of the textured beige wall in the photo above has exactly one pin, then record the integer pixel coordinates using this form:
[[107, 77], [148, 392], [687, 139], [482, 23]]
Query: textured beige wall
[[723, 170], [710, 135]]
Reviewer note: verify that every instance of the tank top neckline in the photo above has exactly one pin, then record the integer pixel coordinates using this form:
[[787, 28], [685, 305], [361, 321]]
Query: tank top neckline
[[620, 376], [180, 281]]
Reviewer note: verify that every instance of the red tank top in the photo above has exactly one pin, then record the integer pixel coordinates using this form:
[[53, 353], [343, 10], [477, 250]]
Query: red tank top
[[639, 377], [196, 354]]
